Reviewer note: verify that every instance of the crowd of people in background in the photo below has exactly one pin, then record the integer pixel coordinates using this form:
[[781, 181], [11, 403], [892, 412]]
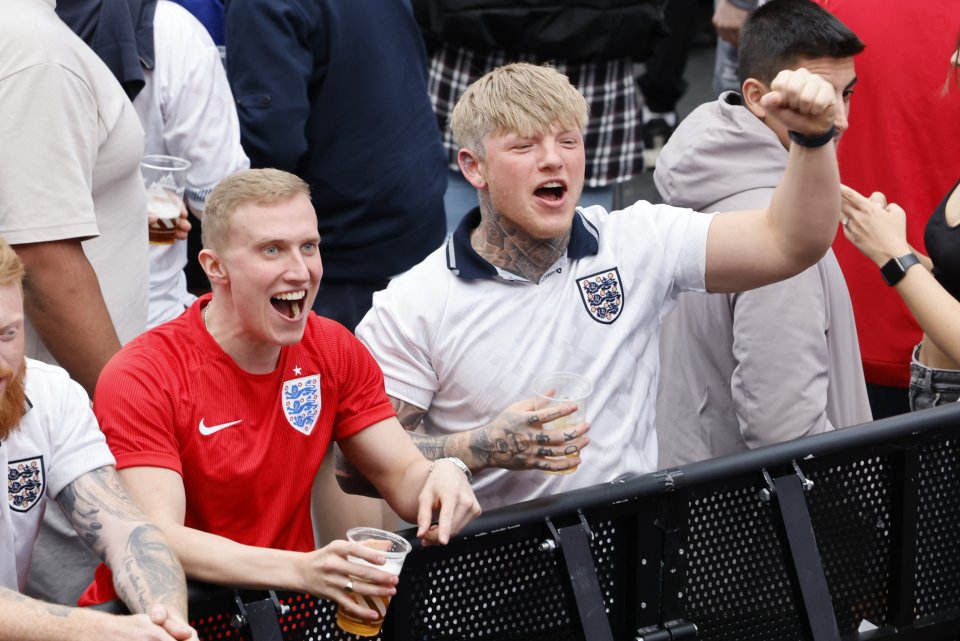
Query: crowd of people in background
[[406, 213]]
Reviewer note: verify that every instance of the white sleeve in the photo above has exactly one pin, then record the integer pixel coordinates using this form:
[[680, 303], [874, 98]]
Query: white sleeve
[[394, 332], [666, 243], [77, 445], [199, 115]]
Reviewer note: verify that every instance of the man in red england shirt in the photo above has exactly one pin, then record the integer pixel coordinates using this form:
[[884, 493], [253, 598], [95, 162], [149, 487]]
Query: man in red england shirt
[[220, 418]]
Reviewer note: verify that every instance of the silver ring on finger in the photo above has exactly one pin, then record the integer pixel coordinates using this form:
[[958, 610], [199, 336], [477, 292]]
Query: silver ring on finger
[[349, 587], [844, 221]]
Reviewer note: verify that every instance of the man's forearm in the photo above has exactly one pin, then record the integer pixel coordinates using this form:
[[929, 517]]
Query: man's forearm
[[63, 300], [145, 570], [26, 619], [501, 443], [805, 206]]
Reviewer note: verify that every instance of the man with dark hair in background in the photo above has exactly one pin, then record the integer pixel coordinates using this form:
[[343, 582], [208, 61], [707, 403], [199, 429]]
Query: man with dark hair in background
[[752, 368]]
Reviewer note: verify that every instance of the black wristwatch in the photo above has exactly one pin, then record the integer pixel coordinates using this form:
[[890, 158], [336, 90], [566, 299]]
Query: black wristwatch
[[896, 268]]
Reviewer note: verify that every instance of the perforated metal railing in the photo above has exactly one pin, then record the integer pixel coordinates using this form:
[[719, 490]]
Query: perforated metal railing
[[737, 584], [938, 529], [698, 545]]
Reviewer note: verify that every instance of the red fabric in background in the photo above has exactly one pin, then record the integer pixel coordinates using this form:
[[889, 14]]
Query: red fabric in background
[[904, 140]]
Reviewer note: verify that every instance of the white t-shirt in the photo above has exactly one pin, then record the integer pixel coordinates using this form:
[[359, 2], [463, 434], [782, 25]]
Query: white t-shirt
[[187, 110], [57, 442], [465, 340], [70, 169]]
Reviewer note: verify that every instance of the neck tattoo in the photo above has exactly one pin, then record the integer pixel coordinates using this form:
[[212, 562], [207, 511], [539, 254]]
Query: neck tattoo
[[506, 246]]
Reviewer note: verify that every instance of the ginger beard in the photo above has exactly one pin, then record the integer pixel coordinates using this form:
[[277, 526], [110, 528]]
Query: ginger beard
[[13, 401]]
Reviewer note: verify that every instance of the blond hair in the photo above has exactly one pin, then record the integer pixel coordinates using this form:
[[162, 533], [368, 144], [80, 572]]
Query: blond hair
[[257, 186], [11, 267], [519, 98]]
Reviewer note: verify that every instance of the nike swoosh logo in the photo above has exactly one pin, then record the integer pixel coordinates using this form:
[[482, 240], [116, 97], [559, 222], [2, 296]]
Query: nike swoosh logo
[[213, 429]]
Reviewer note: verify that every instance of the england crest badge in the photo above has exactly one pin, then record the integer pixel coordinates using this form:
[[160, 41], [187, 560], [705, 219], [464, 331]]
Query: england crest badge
[[25, 483], [602, 295], [301, 402]]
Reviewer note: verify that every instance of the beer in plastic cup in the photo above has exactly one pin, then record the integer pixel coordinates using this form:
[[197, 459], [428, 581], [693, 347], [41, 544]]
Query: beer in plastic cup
[[395, 549], [165, 178], [563, 387]]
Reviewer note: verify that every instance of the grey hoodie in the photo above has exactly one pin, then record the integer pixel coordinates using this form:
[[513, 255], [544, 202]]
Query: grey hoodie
[[743, 370]]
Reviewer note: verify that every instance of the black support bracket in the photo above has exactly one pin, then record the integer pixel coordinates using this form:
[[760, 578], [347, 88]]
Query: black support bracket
[[818, 621], [584, 584]]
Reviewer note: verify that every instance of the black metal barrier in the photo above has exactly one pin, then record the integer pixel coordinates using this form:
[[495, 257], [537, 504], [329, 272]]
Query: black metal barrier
[[812, 540]]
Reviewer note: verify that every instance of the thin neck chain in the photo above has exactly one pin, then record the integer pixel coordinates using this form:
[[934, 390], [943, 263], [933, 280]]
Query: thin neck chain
[[205, 310]]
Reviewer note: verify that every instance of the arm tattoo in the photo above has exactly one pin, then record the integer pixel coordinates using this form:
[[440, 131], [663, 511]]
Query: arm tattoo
[[90, 498], [106, 517], [432, 447], [150, 573], [408, 414], [349, 477], [35, 606]]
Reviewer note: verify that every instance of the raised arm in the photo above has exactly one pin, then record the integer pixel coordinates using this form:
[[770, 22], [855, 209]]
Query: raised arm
[[80, 336], [146, 573], [880, 233], [748, 249]]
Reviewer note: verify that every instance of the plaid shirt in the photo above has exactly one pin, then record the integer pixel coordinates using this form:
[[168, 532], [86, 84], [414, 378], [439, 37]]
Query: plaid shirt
[[614, 137]]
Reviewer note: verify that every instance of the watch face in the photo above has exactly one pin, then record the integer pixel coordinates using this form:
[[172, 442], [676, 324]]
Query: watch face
[[892, 272], [896, 268]]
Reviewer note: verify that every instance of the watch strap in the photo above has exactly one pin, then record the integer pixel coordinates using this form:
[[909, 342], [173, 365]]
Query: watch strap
[[813, 141]]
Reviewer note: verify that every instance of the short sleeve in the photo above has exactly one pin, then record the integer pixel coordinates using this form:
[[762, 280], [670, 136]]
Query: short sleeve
[[50, 119], [362, 400], [76, 444], [136, 411], [388, 331]]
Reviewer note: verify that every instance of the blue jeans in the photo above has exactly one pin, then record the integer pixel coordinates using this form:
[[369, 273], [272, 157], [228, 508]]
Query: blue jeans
[[932, 387]]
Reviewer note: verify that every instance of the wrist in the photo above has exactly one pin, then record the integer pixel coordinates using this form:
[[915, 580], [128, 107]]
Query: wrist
[[456, 462], [812, 141], [884, 256]]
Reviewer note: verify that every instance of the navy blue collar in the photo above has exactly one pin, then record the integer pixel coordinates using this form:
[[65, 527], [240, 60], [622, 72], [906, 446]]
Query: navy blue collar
[[465, 262]]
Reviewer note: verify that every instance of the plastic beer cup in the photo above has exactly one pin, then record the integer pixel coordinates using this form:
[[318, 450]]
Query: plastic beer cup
[[395, 549], [563, 387], [165, 178]]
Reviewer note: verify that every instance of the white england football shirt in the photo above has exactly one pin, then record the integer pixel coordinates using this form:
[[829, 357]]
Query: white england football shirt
[[464, 340]]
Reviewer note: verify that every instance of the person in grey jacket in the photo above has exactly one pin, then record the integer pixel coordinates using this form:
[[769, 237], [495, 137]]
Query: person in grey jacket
[[771, 364]]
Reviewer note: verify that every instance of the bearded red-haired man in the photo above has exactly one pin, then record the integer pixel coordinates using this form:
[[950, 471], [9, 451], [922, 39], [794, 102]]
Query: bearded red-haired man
[[51, 447]]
